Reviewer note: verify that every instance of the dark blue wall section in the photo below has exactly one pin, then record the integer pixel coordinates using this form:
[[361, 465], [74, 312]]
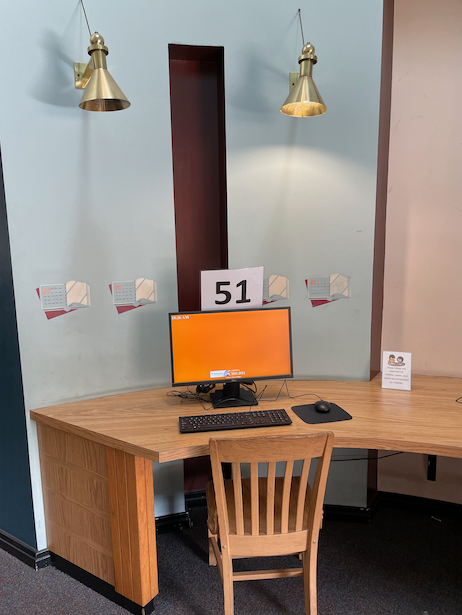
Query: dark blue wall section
[[16, 511]]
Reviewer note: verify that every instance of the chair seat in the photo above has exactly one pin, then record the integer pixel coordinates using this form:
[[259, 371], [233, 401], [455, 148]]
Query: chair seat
[[212, 521]]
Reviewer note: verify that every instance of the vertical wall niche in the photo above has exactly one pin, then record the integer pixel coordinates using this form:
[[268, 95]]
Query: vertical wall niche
[[197, 103], [382, 188]]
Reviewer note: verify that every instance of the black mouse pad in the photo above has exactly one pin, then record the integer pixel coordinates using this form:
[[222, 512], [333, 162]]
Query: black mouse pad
[[308, 414]]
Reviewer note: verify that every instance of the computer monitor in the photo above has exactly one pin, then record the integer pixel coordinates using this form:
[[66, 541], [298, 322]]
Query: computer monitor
[[230, 347]]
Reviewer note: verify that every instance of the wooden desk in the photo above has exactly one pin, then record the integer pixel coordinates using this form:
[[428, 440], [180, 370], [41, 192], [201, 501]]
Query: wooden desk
[[97, 475]]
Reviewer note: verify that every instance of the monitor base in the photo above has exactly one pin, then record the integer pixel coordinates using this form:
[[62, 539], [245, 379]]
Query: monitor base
[[233, 396]]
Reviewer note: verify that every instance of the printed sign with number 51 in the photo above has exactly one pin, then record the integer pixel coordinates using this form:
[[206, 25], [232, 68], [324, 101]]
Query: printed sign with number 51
[[232, 288]]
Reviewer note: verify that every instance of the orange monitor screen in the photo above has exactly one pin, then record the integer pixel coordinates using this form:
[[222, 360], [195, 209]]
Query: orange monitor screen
[[230, 345]]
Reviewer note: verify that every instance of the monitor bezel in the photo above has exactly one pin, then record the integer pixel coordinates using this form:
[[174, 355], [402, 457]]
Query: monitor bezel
[[224, 380]]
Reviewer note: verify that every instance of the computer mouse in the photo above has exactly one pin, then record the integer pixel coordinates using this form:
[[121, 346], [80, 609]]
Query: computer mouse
[[322, 406]]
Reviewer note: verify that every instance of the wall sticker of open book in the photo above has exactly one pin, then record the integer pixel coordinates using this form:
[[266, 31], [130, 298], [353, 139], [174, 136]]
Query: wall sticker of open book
[[59, 299], [327, 288], [133, 293], [275, 288]]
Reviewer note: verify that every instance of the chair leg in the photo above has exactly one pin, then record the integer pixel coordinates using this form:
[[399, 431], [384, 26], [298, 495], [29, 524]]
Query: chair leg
[[228, 582], [309, 577], [212, 558]]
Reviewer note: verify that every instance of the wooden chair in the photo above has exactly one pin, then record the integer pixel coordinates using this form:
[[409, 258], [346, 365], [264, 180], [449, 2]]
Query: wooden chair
[[267, 516]]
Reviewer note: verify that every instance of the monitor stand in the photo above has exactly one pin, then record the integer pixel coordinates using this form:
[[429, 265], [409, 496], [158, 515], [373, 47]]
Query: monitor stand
[[233, 396]]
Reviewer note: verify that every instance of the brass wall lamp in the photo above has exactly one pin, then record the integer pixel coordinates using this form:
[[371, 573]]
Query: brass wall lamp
[[304, 99], [101, 91]]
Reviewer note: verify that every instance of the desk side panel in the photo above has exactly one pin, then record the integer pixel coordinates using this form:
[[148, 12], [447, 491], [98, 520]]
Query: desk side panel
[[76, 501]]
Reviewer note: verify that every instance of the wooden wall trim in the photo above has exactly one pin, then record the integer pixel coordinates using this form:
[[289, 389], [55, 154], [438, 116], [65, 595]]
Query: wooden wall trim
[[382, 188], [199, 165], [199, 178]]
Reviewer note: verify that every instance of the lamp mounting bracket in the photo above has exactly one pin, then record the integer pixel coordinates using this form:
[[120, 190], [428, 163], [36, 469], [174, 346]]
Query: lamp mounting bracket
[[82, 73], [293, 77]]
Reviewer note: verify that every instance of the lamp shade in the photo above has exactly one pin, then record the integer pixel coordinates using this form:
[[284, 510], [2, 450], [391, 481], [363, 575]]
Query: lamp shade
[[101, 91], [304, 99]]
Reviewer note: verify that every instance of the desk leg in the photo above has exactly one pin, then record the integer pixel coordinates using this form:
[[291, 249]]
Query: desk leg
[[131, 499]]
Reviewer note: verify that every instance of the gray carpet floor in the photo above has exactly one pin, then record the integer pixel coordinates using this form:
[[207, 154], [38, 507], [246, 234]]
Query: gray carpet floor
[[402, 563]]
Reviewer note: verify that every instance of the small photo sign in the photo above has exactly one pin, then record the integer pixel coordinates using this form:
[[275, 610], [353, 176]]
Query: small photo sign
[[396, 370]]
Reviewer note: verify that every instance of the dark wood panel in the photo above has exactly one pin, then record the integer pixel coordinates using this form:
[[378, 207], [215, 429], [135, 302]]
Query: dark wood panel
[[199, 168], [382, 188], [199, 174], [378, 270]]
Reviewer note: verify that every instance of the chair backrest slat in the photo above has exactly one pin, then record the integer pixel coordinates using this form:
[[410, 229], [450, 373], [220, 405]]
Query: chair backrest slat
[[255, 513], [286, 497], [238, 505], [288, 507], [271, 480], [319, 486], [302, 494]]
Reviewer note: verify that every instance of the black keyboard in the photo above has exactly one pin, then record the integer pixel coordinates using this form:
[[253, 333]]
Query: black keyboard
[[234, 420]]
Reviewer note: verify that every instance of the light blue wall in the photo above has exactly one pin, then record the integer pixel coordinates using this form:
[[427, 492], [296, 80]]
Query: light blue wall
[[302, 191], [90, 196]]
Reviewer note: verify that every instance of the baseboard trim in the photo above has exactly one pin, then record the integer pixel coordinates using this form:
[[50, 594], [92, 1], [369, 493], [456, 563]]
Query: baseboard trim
[[349, 514], [357, 514], [195, 499], [177, 521], [400, 501], [417, 504], [332, 512], [30, 556], [100, 586]]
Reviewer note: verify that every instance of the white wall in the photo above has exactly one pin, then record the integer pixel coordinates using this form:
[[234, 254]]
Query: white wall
[[302, 191], [423, 294], [90, 196]]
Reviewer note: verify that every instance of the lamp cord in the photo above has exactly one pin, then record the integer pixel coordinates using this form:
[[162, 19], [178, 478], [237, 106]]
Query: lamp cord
[[86, 19], [301, 25]]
